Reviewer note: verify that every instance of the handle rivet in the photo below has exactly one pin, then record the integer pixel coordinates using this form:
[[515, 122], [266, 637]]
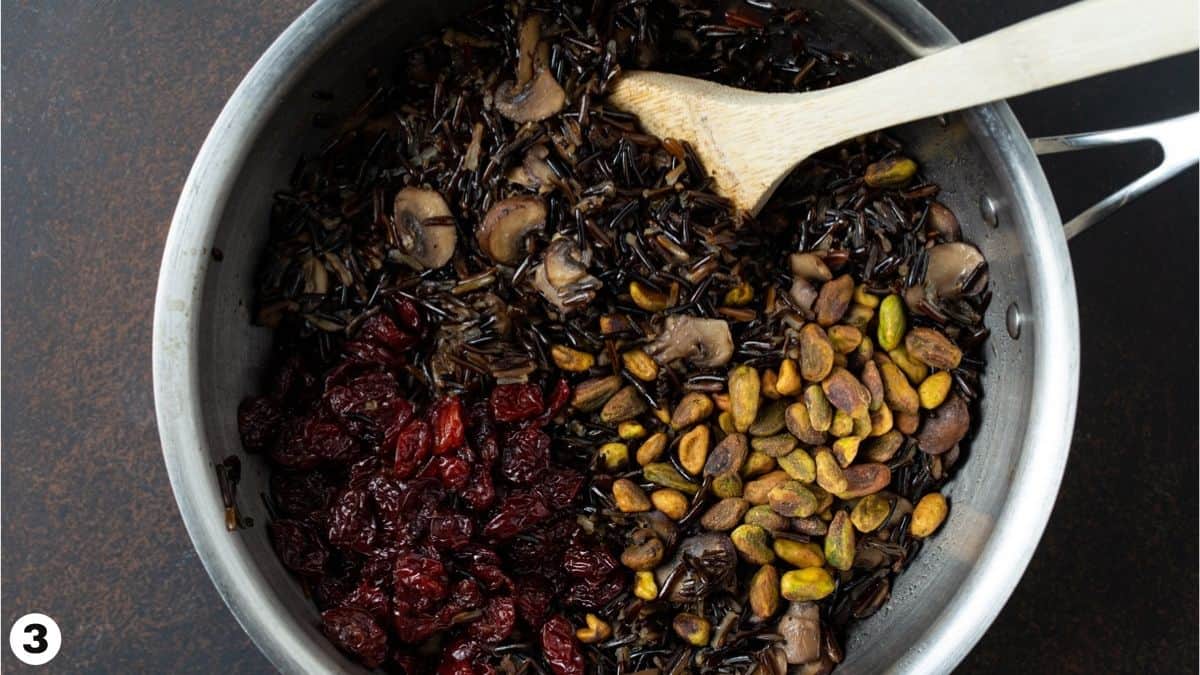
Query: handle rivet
[[989, 210], [1013, 320]]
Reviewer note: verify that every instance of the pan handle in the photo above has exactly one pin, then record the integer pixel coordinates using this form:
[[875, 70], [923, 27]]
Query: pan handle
[[1179, 138]]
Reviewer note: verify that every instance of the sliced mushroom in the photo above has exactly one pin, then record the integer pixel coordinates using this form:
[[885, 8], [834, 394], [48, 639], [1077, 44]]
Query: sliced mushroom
[[538, 99], [810, 267], [803, 294], [527, 44], [942, 222], [705, 343], [712, 553], [471, 158], [801, 631], [562, 277], [502, 233], [534, 172], [424, 227], [944, 426], [955, 269]]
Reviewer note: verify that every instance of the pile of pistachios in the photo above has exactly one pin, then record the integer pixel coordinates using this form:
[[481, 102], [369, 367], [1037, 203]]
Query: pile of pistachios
[[776, 487]]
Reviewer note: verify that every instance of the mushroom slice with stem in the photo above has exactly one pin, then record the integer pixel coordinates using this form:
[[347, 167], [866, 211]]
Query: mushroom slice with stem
[[954, 270], [562, 277], [706, 343], [424, 227], [538, 99], [534, 172], [502, 233], [535, 94]]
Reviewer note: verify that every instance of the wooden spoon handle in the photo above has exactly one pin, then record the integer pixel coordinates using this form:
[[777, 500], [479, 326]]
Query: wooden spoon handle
[[1072, 43]]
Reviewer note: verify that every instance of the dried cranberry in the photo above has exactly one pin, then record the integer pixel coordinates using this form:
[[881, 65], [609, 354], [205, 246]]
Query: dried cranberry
[[388, 496], [420, 504], [591, 564], [370, 599], [259, 422], [480, 493], [463, 657], [558, 400], [379, 568], [482, 432], [454, 472], [533, 599], [363, 471], [519, 512], [369, 406], [526, 454], [496, 624], [464, 597], [412, 448], [356, 633], [477, 554], [408, 314], [559, 647], [516, 402], [447, 418], [421, 579], [491, 577], [589, 594], [351, 523], [298, 547], [308, 443], [300, 494], [331, 590], [560, 487], [379, 329], [451, 531], [372, 353], [294, 385], [412, 626]]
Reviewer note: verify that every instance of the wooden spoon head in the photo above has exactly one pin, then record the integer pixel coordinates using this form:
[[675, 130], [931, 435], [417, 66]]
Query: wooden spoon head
[[735, 133]]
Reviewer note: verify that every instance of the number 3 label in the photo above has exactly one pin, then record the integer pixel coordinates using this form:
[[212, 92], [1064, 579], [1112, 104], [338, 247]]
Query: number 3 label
[[35, 639]]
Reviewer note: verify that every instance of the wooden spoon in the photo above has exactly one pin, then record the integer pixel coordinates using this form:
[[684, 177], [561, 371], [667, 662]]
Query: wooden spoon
[[749, 141]]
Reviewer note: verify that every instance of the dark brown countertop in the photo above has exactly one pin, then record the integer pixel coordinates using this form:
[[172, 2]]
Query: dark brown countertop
[[104, 108]]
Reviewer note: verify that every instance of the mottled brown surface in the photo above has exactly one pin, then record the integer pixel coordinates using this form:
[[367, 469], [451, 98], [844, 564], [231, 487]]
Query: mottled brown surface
[[105, 105]]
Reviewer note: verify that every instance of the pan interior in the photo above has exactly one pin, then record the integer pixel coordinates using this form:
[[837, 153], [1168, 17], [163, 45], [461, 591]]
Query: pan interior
[[963, 153]]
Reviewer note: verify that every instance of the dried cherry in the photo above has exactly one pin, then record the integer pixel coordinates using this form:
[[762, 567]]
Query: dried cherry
[[451, 531], [560, 648], [516, 402], [300, 494], [446, 416], [369, 598], [259, 421], [526, 454], [496, 624], [356, 633], [519, 512], [533, 599], [480, 493], [381, 330], [298, 547], [351, 523], [421, 579], [412, 448], [560, 487], [594, 594], [589, 564], [463, 657]]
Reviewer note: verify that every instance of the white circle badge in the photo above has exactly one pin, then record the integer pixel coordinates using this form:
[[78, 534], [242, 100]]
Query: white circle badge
[[35, 639]]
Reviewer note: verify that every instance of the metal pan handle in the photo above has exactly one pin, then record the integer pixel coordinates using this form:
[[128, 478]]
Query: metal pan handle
[[1179, 138]]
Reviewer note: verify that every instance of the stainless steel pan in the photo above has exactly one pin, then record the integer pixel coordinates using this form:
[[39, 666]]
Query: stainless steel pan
[[207, 356]]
